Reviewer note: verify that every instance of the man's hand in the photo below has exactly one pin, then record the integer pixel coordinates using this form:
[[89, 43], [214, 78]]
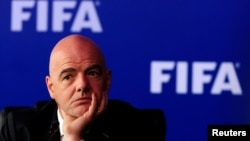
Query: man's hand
[[73, 127]]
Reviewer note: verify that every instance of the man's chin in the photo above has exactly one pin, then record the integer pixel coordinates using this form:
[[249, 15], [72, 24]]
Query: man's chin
[[81, 109]]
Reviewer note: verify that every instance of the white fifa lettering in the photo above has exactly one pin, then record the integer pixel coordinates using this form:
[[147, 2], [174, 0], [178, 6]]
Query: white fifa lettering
[[182, 77], [199, 78], [42, 16], [86, 17], [59, 14], [226, 72], [203, 73], [18, 15], [157, 76]]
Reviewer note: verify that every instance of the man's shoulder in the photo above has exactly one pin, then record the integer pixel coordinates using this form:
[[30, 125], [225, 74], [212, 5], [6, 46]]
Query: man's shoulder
[[28, 113], [27, 123], [121, 112], [126, 119], [116, 105]]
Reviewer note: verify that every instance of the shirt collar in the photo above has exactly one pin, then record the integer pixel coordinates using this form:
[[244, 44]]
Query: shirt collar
[[60, 119]]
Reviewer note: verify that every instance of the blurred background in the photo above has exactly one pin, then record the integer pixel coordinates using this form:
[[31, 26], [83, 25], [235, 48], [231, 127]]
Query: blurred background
[[189, 58]]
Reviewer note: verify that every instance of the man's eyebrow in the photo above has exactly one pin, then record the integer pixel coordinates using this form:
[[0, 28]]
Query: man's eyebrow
[[67, 70], [94, 67]]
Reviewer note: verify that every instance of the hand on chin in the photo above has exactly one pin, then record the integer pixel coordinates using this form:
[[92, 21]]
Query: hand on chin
[[81, 109]]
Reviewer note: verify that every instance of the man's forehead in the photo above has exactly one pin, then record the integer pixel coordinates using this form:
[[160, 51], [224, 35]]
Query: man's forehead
[[80, 63], [75, 47], [76, 62]]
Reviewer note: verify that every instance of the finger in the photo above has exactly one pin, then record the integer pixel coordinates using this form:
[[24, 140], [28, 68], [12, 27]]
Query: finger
[[103, 104], [93, 105], [72, 125], [82, 122]]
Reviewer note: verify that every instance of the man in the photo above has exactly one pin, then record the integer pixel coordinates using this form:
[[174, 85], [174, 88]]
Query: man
[[78, 83]]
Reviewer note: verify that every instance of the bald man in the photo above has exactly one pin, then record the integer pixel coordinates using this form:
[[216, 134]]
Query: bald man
[[78, 84]]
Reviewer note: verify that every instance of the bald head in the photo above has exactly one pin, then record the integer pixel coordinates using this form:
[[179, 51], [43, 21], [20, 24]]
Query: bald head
[[78, 75], [75, 46]]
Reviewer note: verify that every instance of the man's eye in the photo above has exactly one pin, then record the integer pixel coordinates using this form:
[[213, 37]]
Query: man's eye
[[67, 77], [94, 73]]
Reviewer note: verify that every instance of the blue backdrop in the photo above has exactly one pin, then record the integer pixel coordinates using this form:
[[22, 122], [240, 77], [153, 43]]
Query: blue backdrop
[[188, 58]]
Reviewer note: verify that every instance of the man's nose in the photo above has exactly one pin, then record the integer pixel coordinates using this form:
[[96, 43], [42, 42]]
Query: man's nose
[[82, 84]]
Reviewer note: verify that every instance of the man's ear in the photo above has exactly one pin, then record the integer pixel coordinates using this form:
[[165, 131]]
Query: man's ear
[[50, 86]]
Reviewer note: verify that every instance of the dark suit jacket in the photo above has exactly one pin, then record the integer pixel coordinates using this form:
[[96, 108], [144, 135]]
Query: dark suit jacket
[[120, 122]]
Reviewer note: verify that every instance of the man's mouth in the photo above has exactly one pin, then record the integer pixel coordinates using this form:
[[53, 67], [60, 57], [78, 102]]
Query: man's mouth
[[82, 100]]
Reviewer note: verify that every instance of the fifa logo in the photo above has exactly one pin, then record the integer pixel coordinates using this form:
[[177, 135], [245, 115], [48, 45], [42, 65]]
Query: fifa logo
[[48, 15], [220, 77]]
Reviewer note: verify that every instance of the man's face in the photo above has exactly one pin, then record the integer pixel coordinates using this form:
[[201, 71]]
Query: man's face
[[77, 74]]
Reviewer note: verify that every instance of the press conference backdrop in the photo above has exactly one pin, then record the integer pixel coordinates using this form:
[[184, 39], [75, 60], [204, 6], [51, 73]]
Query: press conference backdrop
[[188, 58]]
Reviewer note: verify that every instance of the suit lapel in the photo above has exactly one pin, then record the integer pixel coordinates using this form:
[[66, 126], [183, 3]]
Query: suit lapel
[[50, 114], [55, 136]]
